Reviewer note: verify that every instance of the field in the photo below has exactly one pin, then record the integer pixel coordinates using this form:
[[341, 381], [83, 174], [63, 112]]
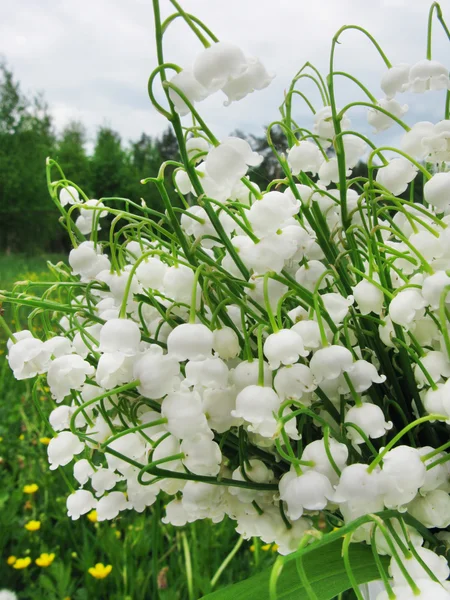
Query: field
[[149, 560]]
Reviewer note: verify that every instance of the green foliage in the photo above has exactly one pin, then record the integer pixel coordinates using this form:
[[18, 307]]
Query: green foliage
[[326, 574]]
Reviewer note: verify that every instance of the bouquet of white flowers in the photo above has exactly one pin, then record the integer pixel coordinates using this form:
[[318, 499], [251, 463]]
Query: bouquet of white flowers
[[280, 356]]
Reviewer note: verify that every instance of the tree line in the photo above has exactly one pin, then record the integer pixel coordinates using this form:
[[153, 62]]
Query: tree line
[[28, 218]]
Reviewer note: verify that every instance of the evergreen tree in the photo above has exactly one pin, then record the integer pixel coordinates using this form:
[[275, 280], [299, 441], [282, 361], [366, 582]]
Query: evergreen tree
[[27, 218], [72, 157]]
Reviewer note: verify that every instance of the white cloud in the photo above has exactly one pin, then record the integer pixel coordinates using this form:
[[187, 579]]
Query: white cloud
[[92, 58]]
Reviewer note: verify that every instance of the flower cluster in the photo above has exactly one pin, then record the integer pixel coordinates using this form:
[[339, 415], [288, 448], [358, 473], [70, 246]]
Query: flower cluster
[[280, 356]]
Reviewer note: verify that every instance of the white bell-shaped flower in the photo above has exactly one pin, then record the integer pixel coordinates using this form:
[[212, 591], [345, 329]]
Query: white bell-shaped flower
[[190, 87], [103, 480], [368, 297], [437, 144], [309, 274], [437, 476], [412, 141], [178, 283], [354, 148], [158, 373], [406, 306], [396, 175], [58, 346], [216, 65], [150, 273], [120, 335], [323, 124], [210, 373], [62, 449], [381, 121], [436, 191], [190, 341], [330, 362], [130, 445], [228, 162], [246, 374], [28, 357], [437, 564], [309, 331], [67, 373], [226, 343], [428, 75], [329, 171], [337, 306], [183, 182], [141, 496], [176, 514], [202, 455], [59, 418], [363, 374], [69, 195], [111, 505], [294, 381], [316, 452], [403, 474], [437, 365], [311, 491], [395, 80], [370, 419], [79, 503], [88, 261], [217, 406], [356, 483], [256, 404], [305, 156], [255, 77], [203, 500], [113, 369], [184, 413], [82, 471], [431, 509], [271, 212], [195, 146], [283, 347], [255, 470]]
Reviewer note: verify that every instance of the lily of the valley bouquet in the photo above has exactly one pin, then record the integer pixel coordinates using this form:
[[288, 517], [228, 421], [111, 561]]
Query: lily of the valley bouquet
[[281, 355]]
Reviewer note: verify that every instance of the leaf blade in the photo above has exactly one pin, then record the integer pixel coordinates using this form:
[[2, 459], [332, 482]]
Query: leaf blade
[[324, 568]]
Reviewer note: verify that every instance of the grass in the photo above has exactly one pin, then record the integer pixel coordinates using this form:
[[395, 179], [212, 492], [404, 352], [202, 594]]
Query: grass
[[150, 561]]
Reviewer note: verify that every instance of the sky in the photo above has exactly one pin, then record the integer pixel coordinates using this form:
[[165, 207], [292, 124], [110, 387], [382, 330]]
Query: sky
[[92, 58]]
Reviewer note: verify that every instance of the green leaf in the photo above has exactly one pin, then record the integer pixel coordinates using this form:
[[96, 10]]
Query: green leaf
[[324, 568]]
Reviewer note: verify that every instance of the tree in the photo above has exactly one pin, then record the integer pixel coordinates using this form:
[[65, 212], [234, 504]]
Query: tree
[[72, 157], [27, 218]]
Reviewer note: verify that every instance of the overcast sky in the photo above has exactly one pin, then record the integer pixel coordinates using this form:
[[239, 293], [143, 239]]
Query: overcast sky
[[92, 58]]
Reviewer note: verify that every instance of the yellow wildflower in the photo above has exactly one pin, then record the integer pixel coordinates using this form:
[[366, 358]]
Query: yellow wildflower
[[11, 560], [22, 563], [30, 488], [45, 440], [265, 548], [92, 516], [118, 534], [21, 437], [33, 525], [45, 560], [100, 571]]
